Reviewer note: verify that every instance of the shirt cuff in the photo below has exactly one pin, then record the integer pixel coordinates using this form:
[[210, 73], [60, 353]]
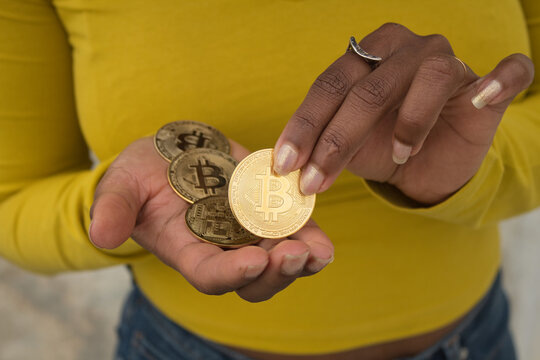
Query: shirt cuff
[[467, 206]]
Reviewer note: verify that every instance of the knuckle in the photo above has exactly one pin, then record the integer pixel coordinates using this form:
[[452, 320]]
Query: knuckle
[[522, 68], [118, 174], [391, 27], [412, 122], [335, 142], [307, 120], [129, 193], [333, 83], [372, 93], [438, 42], [392, 30], [438, 69]]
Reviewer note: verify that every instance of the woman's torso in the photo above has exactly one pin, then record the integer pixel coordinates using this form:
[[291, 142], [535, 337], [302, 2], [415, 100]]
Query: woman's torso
[[244, 66]]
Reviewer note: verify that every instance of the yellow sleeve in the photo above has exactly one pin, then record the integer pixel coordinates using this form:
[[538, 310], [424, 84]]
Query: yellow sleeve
[[531, 11], [46, 187], [508, 181]]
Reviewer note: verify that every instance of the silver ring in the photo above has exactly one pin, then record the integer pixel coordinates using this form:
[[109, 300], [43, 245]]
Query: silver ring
[[462, 63], [371, 60]]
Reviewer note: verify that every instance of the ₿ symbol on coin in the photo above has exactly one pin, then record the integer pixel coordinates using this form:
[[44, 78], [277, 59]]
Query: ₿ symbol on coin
[[274, 197], [213, 172], [196, 139]]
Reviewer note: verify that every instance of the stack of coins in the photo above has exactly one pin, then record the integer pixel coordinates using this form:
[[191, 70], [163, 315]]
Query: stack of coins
[[201, 171]]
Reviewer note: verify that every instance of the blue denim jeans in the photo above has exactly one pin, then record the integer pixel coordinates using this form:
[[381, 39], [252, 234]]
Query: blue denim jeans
[[145, 333]]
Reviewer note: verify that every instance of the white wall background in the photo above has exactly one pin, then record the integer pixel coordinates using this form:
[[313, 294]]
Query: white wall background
[[73, 316]]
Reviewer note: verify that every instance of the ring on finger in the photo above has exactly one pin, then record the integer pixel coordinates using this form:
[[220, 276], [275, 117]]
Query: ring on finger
[[462, 63], [371, 60]]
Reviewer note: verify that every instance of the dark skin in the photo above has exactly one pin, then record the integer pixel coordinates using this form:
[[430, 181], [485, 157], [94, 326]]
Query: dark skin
[[409, 123], [420, 96]]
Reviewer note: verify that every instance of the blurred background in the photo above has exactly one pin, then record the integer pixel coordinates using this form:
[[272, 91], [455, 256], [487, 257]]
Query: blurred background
[[73, 316]]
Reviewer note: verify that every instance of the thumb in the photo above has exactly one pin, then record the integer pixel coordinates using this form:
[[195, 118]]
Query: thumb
[[117, 202], [497, 89]]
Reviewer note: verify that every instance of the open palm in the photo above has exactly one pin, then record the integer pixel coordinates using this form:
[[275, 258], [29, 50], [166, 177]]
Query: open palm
[[134, 199]]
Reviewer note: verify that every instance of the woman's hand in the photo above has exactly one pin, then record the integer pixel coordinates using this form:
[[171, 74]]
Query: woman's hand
[[409, 122], [134, 199]]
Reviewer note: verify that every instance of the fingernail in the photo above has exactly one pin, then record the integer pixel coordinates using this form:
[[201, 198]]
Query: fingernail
[[252, 271], [317, 264], [311, 180], [293, 264], [487, 94], [90, 236], [285, 159], [416, 150], [90, 230], [401, 152]]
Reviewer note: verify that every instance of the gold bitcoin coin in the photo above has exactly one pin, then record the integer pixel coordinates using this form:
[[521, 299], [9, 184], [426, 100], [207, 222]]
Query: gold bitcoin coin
[[211, 220], [176, 137], [199, 173], [266, 204]]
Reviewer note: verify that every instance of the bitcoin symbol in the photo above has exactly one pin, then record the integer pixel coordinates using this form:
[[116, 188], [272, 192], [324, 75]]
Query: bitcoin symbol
[[213, 172], [274, 197], [191, 140]]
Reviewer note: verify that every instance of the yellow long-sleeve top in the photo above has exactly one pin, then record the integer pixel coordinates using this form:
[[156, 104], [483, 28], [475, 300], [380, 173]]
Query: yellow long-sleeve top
[[79, 74]]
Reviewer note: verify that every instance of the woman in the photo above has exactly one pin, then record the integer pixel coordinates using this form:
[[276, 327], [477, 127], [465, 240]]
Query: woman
[[412, 224]]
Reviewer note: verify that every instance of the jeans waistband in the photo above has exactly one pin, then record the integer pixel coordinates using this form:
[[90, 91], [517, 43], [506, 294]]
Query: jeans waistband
[[450, 345]]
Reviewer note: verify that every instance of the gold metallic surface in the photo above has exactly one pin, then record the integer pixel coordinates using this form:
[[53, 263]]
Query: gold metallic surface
[[178, 136], [211, 220], [199, 173], [266, 204]]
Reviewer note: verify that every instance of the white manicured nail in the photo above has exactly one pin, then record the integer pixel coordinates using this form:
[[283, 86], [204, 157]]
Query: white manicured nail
[[487, 94], [285, 159], [311, 180], [401, 152]]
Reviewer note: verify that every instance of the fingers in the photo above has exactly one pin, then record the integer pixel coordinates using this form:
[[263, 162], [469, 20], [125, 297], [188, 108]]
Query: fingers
[[511, 76], [331, 123], [207, 267], [238, 152], [286, 263], [324, 98], [123, 191], [369, 99], [345, 103], [321, 249], [435, 81], [307, 252], [214, 271], [256, 273], [117, 202], [348, 102]]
